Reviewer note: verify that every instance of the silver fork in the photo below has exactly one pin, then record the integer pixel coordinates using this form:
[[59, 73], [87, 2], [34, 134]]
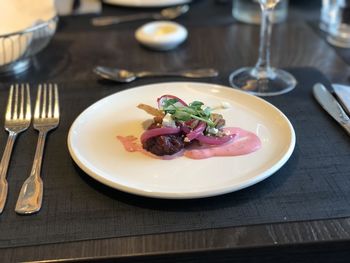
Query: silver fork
[[46, 118], [17, 120]]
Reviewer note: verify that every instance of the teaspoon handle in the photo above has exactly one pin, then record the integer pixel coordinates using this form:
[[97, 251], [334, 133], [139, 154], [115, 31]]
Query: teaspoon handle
[[195, 73], [110, 20]]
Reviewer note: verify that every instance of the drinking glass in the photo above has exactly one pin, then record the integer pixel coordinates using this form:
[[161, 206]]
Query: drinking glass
[[339, 25], [327, 13], [263, 80], [248, 11]]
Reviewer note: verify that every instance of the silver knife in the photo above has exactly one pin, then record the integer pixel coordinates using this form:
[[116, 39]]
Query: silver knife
[[331, 105], [342, 93]]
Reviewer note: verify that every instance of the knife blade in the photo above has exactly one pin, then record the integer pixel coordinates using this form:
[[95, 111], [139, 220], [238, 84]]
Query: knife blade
[[331, 105]]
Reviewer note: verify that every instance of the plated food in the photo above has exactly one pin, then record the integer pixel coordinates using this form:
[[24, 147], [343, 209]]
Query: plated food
[[94, 147], [193, 130]]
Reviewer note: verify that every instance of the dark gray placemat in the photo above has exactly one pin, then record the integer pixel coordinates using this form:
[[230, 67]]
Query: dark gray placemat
[[314, 184]]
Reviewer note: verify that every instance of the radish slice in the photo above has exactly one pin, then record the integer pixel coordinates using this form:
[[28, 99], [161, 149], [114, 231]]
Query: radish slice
[[197, 131], [162, 99], [158, 131], [211, 140], [185, 129]]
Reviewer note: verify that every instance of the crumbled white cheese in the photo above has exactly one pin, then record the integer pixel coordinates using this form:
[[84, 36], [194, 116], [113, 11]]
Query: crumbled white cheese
[[186, 139], [225, 105], [227, 132], [222, 106], [168, 121], [213, 131]]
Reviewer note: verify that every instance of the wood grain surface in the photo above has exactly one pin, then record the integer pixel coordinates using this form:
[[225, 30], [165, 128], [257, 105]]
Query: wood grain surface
[[226, 46]]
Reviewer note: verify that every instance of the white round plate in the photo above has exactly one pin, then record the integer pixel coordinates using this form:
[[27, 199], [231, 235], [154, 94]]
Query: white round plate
[[94, 147], [146, 3]]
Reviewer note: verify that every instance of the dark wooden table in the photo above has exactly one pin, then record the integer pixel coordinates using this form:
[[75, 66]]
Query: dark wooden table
[[216, 40]]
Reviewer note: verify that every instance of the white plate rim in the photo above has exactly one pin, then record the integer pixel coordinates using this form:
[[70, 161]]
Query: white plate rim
[[191, 195]]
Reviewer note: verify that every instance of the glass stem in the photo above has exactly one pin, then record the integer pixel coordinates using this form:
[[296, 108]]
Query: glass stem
[[262, 68]]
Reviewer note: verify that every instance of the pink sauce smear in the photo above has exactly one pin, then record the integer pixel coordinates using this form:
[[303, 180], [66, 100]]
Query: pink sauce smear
[[244, 142]]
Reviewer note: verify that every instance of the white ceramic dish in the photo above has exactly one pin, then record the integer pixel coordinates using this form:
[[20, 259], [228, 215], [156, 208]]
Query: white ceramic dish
[[94, 147], [25, 28], [146, 3], [16, 48], [161, 35]]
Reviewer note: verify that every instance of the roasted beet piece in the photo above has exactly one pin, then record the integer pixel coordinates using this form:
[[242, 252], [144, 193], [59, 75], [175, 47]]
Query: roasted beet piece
[[164, 144]]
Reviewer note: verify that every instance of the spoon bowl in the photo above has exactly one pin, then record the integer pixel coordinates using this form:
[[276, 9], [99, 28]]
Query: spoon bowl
[[173, 12], [118, 75]]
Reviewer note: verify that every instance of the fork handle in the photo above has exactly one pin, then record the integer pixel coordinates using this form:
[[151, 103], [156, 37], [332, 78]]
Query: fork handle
[[31, 195], [5, 160], [110, 20]]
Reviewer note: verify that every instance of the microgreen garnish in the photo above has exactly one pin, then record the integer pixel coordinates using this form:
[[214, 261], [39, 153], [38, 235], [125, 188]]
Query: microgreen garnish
[[184, 113]]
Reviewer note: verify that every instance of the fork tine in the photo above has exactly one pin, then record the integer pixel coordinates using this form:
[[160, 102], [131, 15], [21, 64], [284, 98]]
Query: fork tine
[[21, 111], [43, 110], [56, 112], [9, 104], [28, 115], [49, 112], [37, 102], [14, 116]]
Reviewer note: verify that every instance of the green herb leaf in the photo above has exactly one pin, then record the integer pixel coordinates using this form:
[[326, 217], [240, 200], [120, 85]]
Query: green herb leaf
[[181, 116], [207, 111], [185, 113], [196, 105], [169, 102]]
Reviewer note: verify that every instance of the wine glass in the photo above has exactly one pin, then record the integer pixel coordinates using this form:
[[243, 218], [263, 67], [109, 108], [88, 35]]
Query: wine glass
[[263, 80]]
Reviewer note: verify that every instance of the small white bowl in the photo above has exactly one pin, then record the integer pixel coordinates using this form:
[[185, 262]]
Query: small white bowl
[[161, 35]]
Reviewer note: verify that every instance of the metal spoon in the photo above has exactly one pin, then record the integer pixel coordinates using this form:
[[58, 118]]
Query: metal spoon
[[122, 75], [167, 13]]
